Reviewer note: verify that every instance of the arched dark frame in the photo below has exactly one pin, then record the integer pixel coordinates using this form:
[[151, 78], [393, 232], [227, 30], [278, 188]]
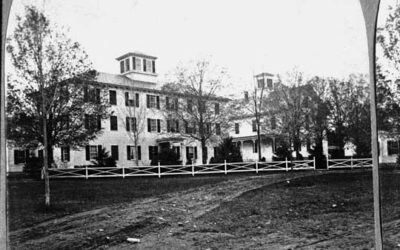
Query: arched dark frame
[[370, 10]]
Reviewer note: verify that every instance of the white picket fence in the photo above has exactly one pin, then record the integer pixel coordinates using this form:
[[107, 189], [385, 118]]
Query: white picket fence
[[349, 163], [220, 168]]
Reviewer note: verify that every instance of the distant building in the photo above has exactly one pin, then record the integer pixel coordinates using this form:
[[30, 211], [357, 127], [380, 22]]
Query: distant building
[[132, 93]]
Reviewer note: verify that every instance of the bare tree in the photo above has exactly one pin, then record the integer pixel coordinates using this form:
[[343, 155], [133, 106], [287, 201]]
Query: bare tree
[[198, 107]]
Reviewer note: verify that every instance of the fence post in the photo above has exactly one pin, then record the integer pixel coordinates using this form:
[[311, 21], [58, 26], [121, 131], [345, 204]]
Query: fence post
[[351, 162], [159, 170], [123, 171], [314, 162], [86, 172], [257, 166], [287, 165], [225, 168], [192, 169]]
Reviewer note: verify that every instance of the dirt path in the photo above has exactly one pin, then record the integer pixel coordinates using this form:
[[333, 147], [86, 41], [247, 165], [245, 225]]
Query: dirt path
[[158, 222]]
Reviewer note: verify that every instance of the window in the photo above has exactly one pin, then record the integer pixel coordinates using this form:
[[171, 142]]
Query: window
[[113, 123], [171, 103], [20, 156], [218, 129], [65, 154], [92, 122], [190, 129], [129, 101], [113, 97], [154, 66], [114, 152], [127, 64], [269, 83], [246, 96], [92, 151], [177, 150], [153, 101], [144, 65], [153, 125], [393, 147], [260, 83], [208, 128], [91, 95], [273, 122], [138, 65], [254, 125], [134, 63], [149, 65], [121, 66], [191, 153], [237, 128], [217, 108], [153, 152], [130, 152], [130, 124], [172, 126], [189, 105]]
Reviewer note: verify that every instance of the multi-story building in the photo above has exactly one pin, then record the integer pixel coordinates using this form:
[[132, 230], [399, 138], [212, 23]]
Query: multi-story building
[[137, 104]]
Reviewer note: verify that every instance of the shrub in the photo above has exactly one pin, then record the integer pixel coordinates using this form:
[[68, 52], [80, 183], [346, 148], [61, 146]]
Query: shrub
[[103, 159], [166, 156], [228, 151], [33, 167]]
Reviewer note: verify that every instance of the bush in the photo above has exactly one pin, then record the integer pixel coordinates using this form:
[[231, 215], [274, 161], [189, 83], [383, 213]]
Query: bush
[[228, 151], [104, 159], [166, 156], [281, 153], [33, 167]]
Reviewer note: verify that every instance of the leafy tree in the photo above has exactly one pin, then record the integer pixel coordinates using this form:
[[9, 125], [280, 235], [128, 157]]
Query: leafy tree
[[201, 111], [227, 150], [167, 156], [104, 159], [49, 101]]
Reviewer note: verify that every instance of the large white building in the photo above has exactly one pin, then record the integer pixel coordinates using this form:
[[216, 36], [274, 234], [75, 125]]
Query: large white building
[[137, 102]]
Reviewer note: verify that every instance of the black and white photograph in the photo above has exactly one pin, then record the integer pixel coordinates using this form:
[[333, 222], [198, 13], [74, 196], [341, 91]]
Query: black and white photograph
[[188, 124]]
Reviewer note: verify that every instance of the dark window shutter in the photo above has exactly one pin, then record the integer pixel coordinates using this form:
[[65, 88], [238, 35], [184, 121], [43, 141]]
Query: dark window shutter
[[16, 160], [134, 124], [137, 99], [177, 125], [98, 150], [154, 66], [254, 125], [128, 150], [187, 153], [114, 152], [85, 94], [86, 121], [158, 125], [144, 65], [68, 154], [62, 154], [87, 152], [167, 103], [158, 102], [128, 126], [148, 125], [134, 63], [148, 101], [97, 96], [99, 122], [195, 152], [126, 98], [127, 64], [113, 97], [150, 153], [139, 153]]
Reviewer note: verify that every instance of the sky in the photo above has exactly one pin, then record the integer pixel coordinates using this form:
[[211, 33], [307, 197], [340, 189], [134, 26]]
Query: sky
[[318, 37]]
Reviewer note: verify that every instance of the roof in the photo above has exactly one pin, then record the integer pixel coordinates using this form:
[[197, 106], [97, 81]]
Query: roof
[[135, 53], [264, 74], [124, 82]]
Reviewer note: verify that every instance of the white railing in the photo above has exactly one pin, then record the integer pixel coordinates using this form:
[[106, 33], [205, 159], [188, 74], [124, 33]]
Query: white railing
[[217, 168], [349, 163]]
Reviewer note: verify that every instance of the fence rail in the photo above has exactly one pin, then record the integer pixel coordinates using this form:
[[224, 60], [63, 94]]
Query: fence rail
[[217, 168], [349, 163]]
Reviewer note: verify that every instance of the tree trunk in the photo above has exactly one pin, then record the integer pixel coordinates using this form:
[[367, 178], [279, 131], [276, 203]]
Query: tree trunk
[[258, 140], [203, 147], [45, 154]]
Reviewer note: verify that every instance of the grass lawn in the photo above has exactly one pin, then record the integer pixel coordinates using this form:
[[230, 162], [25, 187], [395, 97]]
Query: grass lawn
[[26, 196], [332, 211]]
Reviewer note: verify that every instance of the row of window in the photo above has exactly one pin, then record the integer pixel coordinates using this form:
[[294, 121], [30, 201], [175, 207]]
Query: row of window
[[153, 101], [138, 64], [154, 125]]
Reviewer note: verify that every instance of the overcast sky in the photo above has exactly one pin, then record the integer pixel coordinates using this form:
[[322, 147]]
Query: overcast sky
[[320, 37]]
